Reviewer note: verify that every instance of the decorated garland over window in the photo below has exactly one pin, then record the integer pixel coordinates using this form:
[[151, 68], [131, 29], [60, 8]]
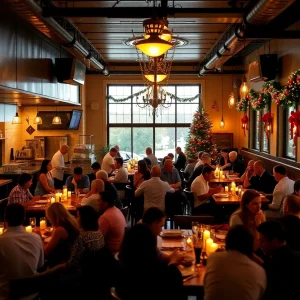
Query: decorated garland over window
[[172, 96], [242, 104], [258, 101]]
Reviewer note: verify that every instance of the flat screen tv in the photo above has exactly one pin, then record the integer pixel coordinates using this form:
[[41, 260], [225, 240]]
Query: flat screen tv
[[75, 119]]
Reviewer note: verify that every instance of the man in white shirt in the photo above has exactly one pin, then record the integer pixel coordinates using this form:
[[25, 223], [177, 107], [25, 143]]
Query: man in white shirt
[[58, 166], [122, 174], [93, 196], [21, 253], [151, 156], [284, 187], [154, 190], [108, 163], [232, 274], [202, 191]]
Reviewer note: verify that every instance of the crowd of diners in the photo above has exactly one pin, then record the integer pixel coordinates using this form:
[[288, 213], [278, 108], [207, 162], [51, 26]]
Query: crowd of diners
[[96, 250]]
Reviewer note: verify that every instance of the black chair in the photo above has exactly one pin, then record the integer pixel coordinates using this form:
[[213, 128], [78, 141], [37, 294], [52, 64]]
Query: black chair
[[136, 205], [190, 201], [185, 222], [125, 211], [3, 204]]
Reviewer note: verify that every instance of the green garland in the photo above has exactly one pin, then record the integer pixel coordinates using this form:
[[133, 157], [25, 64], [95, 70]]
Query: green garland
[[242, 104], [259, 101], [172, 96]]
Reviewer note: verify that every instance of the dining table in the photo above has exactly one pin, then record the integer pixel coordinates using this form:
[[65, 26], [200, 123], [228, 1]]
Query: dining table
[[227, 198]]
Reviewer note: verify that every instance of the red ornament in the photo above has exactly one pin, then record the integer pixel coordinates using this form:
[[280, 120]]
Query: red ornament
[[267, 120], [244, 120], [294, 119]]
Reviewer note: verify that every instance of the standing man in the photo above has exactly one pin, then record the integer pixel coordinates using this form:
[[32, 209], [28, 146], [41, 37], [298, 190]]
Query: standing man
[[58, 166], [108, 163], [151, 156], [181, 159]]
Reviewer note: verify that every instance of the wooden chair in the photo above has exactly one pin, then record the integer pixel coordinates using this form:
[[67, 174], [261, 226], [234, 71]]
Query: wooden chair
[[185, 222]]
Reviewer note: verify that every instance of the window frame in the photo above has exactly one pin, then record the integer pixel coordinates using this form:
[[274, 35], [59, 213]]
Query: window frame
[[153, 125]]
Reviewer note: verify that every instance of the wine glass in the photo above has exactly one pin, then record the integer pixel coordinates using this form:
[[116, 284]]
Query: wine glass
[[195, 226], [32, 222]]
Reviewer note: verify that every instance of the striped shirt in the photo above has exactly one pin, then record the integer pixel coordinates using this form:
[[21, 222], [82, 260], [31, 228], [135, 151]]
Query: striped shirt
[[19, 195]]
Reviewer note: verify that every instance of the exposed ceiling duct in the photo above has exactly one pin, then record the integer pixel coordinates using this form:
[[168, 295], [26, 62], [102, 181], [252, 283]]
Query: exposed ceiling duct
[[262, 13], [33, 14]]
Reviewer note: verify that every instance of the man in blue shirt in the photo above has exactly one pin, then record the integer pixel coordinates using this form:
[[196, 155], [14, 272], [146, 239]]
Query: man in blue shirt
[[170, 175], [78, 181]]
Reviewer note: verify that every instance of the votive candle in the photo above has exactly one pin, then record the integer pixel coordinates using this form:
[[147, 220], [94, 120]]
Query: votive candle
[[206, 235], [42, 224], [226, 188], [28, 228], [57, 197], [1, 230], [209, 241], [69, 194], [52, 200]]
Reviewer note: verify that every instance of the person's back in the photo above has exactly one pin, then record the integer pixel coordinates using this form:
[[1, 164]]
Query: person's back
[[232, 275], [21, 253]]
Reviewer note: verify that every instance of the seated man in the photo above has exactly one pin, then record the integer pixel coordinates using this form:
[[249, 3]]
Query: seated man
[[237, 166], [78, 181], [95, 168], [284, 187], [203, 192], [170, 175], [248, 175], [21, 252], [93, 196], [111, 223], [20, 193], [291, 221], [122, 174], [154, 190], [263, 181], [234, 265], [206, 161], [109, 188], [281, 263]]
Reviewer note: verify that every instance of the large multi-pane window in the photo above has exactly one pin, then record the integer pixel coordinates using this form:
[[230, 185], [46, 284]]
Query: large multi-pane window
[[260, 140], [289, 147], [134, 128]]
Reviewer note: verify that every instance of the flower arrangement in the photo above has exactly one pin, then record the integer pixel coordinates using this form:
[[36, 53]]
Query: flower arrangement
[[242, 104]]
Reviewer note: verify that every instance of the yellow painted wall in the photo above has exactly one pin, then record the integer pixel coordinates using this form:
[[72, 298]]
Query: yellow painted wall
[[288, 51], [211, 91]]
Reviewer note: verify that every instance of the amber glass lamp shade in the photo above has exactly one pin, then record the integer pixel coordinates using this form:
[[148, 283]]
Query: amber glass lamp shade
[[153, 46], [16, 119], [231, 101], [159, 77], [56, 120], [38, 119], [222, 123], [244, 90]]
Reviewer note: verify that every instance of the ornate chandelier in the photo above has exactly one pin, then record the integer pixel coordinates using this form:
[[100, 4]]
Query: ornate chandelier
[[155, 52]]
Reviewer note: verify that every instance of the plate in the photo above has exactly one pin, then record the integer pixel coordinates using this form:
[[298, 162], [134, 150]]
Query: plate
[[221, 195], [41, 201], [187, 261], [187, 272], [172, 233], [169, 245], [220, 236]]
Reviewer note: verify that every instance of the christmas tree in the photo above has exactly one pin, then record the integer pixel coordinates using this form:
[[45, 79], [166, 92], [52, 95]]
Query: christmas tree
[[200, 137]]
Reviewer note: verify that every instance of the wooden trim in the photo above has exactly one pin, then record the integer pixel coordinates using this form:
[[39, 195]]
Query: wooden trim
[[280, 160]]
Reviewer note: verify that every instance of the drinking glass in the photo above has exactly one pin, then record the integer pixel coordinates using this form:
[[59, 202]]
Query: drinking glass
[[195, 227], [32, 222], [77, 193], [213, 234], [1, 227], [198, 249]]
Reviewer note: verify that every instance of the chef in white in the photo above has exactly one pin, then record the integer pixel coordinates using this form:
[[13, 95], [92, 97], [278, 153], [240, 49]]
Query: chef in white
[[58, 166]]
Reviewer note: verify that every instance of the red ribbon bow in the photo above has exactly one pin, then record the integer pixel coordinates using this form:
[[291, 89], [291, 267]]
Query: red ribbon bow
[[267, 119], [294, 119], [244, 120]]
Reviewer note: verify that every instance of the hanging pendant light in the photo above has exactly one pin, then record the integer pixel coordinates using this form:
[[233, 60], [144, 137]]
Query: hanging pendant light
[[38, 119], [222, 123], [56, 120], [16, 119], [159, 77], [231, 99], [244, 89]]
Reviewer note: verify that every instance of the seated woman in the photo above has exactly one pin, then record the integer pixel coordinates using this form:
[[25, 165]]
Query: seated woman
[[249, 214], [20, 193], [90, 238], [142, 173], [224, 160], [142, 274], [64, 234], [93, 195], [45, 184]]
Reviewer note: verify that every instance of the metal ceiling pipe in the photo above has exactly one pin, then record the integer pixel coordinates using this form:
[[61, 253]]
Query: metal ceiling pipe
[[33, 14], [262, 13]]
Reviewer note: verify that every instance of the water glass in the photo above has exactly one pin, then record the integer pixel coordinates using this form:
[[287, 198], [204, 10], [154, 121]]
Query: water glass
[[195, 227], [32, 222], [77, 193], [43, 223]]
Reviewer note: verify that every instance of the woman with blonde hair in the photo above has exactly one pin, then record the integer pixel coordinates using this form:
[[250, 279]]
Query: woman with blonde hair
[[65, 232]]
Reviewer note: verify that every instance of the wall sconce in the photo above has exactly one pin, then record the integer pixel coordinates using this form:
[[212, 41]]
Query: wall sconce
[[16, 119], [56, 120]]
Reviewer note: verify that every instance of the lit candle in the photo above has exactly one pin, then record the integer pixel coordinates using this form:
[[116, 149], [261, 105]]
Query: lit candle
[[60, 194], [1, 230], [189, 241], [217, 172], [57, 197], [233, 185], [213, 248], [28, 228], [42, 225], [52, 200], [221, 174], [209, 241], [226, 188], [69, 194], [206, 235]]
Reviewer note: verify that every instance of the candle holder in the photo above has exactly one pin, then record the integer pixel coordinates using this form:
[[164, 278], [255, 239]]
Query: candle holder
[[32, 222], [43, 223], [28, 228]]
